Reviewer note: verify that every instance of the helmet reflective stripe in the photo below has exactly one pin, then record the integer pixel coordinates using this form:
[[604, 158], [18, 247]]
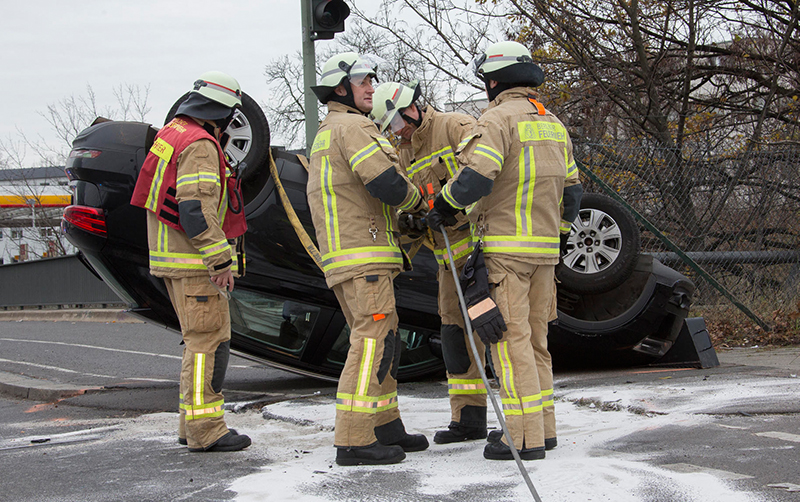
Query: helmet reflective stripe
[[220, 87], [345, 65], [388, 100], [509, 62]]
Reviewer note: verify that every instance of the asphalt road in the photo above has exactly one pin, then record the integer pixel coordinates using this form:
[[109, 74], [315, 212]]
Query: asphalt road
[[657, 429]]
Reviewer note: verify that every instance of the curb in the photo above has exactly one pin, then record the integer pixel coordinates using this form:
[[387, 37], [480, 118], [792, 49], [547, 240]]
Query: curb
[[36, 389], [83, 315]]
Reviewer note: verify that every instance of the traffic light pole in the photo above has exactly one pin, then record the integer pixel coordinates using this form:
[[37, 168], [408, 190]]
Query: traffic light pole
[[309, 77]]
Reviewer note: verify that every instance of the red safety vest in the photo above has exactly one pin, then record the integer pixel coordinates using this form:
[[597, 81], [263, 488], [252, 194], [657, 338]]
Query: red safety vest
[[155, 188]]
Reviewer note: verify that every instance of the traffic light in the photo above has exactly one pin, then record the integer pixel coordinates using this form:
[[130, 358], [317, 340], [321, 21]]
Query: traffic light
[[327, 18]]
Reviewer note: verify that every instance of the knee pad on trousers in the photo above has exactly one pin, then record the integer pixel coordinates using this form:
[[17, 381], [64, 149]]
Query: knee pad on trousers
[[388, 356], [398, 345], [454, 349], [221, 356]]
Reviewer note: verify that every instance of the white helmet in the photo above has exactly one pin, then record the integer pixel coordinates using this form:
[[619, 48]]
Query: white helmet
[[387, 101], [508, 62], [214, 96], [345, 65]]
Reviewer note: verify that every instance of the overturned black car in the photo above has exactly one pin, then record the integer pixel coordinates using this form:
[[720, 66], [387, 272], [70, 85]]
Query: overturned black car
[[616, 306]]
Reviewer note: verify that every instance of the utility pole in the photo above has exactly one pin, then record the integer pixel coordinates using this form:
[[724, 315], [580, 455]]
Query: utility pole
[[309, 76], [321, 20]]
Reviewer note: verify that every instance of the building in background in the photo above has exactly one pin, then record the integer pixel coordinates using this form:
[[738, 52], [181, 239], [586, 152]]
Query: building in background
[[31, 204]]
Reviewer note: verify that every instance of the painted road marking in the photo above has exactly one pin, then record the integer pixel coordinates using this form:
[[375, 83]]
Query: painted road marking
[[56, 368], [124, 351], [780, 435], [789, 487], [692, 469]]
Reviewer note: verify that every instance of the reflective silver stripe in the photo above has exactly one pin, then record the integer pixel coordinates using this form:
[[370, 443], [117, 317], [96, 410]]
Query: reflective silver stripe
[[488, 152], [363, 154], [525, 191]]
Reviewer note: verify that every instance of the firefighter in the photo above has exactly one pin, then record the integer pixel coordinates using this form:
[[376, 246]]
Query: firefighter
[[517, 166], [195, 224], [354, 186], [429, 140]]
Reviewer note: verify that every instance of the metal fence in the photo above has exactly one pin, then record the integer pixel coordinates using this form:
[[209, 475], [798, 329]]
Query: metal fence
[[53, 282], [734, 216]]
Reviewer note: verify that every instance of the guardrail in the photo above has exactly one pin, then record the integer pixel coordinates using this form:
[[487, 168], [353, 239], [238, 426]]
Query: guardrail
[[53, 282]]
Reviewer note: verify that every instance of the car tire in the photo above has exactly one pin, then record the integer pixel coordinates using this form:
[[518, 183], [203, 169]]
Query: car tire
[[603, 247], [249, 133]]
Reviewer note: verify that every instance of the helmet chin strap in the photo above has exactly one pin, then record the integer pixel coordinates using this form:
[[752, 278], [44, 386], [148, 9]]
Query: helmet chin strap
[[348, 99], [417, 121], [493, 92]]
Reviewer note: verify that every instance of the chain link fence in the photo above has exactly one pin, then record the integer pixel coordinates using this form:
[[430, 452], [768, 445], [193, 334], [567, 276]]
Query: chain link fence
[[732, 215]]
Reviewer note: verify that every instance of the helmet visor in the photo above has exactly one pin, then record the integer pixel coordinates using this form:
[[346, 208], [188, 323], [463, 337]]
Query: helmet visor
[[358, 72], [475, 65], [397, 124]]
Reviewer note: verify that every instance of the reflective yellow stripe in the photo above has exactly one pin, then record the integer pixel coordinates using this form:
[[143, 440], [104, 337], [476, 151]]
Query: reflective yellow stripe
[[531, 404], [507, 370], [525, 244], [490, 153], [460, 249], [357, 256], [363, 154], [387, 218], [176, 260], [329, 204], [155, 185], [365, 404], [524, 201], [213, 249], [367, 360], [547, 398], [199, 378], [571, 169], [511, 406], [193, 179], [565, 226], [464, 142], [424, 162], [412, 202], [223, 203], [465, 386], [163, 238], [449, 198]]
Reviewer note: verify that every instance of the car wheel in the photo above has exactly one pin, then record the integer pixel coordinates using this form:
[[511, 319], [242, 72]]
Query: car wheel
[[603, 247], [249, 132]]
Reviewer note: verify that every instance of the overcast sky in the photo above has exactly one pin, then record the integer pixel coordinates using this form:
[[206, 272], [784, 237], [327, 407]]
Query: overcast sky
[[52, 49]]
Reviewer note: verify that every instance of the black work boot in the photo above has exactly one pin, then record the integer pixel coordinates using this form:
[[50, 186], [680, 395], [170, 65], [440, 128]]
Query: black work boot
[[184, 442], [374, 454], [231, 441], [501, 451], [495, 436], [457, 433], [394, 433]]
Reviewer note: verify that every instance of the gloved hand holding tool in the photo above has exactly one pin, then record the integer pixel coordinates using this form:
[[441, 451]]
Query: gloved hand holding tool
[[484, 315], [411, 224], [442, 214]]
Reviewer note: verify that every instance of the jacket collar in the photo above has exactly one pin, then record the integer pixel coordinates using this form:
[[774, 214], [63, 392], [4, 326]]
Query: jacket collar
[[335, 106], [422, 134], [511, 94]]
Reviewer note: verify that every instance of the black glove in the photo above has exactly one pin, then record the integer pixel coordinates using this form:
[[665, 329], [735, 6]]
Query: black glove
[[442, 213], [486, 319], [410, 224], [562, 247]]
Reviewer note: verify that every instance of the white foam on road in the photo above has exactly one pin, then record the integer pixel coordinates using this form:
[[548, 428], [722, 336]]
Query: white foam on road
[[302, 468]]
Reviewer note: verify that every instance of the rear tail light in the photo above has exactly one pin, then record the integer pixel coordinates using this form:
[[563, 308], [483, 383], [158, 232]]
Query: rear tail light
[[81, 153], [90, 219]]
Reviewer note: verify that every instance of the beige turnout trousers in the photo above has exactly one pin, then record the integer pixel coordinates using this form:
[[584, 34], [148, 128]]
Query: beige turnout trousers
[[367, 393], [206, 328], [525, 295]]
